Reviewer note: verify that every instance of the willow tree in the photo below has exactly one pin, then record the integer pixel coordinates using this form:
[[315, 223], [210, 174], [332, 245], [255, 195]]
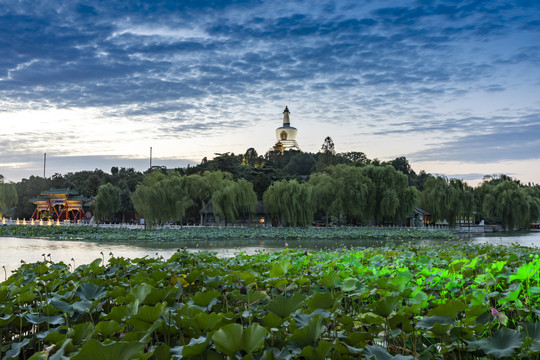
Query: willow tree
[[289, 202], [323, 196], [176, 197], [146, 198], [394, 198], [8, 195], [236, 199], [161, 198], [510, 204], [107, 202], [353, 191], [447, 199]]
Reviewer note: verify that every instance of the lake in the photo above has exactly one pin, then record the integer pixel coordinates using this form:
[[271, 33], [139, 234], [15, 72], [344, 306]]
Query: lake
[[14, 250]]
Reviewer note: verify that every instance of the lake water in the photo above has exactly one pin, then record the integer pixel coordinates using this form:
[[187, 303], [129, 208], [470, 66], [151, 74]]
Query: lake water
[[14, 250]]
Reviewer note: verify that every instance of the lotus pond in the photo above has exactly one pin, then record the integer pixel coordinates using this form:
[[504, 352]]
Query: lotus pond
[[98, 233], [440, 301]]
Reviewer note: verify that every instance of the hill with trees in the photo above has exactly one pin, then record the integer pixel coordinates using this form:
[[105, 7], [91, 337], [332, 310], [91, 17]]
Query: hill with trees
[[295, 187]]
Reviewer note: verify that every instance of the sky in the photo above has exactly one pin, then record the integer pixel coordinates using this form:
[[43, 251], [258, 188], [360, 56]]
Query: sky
[[454, 86]]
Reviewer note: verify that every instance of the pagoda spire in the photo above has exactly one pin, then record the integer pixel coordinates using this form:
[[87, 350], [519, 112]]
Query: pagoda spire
[[286, 120]]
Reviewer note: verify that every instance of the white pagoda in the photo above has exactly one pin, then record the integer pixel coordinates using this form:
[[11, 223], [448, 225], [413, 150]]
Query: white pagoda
[[286, 134]]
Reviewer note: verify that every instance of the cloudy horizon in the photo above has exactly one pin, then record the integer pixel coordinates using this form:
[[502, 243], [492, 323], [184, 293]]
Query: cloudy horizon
[[451, 85]]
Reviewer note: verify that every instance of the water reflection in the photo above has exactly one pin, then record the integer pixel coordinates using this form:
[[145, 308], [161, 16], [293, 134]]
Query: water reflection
[[13, 250]]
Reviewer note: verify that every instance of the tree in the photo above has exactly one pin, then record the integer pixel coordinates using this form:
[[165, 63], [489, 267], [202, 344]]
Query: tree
[[356, 157], [328, 146], [510, 204], [354, 193], [107, 202], [289, 202], [300, 164], [176, 197], [234, 200], [8, 195], [323, 196], [251, 157], [447, 199], [394, 198], [327, 155]]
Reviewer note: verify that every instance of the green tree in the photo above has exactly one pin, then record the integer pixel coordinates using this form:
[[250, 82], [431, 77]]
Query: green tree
[[107, 202], [300, 164], [354, 193], [175, 196], [327, 155], [394, 198], [236, 199], [356, 157], [447, 199], [510, 204], [8, 195], [323, 197], [289, 202]]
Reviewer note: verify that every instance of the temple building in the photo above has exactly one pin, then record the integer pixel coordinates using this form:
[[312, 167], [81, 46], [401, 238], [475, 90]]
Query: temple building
[[61, 204], [286, 135]]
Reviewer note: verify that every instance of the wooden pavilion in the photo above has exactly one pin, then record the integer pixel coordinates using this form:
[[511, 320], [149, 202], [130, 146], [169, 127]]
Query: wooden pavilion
[[61, 204]]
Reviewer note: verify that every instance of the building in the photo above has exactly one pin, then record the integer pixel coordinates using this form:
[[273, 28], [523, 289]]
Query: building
[[62, 204], [286, 134]]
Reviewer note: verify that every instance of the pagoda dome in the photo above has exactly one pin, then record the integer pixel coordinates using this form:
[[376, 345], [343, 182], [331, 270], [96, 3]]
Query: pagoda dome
[[286, 134]]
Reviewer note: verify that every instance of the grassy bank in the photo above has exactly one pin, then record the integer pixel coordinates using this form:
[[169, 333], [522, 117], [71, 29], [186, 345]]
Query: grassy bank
[[451, 301], [222, 233]]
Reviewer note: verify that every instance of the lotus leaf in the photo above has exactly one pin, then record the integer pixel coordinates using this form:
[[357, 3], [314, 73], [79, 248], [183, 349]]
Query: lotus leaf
[[319, 353], [376, 352], [309, 334], [146, 316], [108, 328], [330, 281], [14, 351], [321, 301], [195, 346], [232, 338], [386, 305], [91, 291], [206, 300], [283, 306], [94, 350], [280, 268], [503, 343]]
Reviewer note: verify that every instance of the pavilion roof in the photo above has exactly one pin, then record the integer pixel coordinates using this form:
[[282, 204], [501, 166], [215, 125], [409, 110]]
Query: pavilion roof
[[59, 191]]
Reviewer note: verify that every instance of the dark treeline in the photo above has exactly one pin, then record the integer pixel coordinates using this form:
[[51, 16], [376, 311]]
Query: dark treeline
[[296, 188]]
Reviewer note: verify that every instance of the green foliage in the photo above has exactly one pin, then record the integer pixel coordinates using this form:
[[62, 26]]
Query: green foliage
[[235, 199], [161, 198], [509, 203], [289, 202], [8, 195], [220, 234], [447, 199], [400, 302], [394, 198], [107, 202]]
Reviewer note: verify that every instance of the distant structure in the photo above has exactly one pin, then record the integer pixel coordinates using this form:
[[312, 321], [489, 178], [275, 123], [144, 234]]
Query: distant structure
[[286, 135], [61, 204]]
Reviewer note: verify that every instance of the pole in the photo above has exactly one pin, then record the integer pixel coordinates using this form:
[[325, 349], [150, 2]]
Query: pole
[[150, 157], [44, 163]]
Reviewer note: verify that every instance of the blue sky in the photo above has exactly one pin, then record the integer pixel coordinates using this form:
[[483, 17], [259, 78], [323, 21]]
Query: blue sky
[[452, 85]]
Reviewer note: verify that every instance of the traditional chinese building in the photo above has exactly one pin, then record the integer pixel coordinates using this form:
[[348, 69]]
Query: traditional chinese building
[[286, 134], [61, 204]]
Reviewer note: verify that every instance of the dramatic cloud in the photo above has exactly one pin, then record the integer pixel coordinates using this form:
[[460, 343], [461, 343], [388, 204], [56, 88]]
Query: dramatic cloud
[[193, 69]]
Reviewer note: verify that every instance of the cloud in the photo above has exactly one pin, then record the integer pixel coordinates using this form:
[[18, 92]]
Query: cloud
[[510, 141], [189, 66]]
